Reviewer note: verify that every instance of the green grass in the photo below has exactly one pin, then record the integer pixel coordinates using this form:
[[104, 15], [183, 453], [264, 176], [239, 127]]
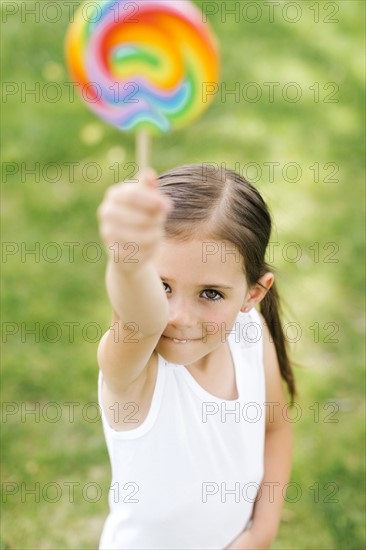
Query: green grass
[[324, 298]]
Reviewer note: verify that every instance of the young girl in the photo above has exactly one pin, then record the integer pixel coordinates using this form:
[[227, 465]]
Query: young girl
[[190, 372]]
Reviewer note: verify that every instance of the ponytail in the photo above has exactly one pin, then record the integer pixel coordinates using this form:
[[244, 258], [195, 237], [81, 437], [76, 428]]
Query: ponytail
[[271, 309]]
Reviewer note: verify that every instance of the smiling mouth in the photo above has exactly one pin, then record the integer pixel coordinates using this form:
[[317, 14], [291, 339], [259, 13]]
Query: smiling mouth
[[178, 341]]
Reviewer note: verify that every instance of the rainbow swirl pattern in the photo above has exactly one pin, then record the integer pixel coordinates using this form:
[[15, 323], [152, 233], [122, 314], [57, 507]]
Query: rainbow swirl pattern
[[142, 65]]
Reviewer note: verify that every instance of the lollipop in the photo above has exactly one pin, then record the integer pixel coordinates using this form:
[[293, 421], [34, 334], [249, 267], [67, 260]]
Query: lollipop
[[142, 66]]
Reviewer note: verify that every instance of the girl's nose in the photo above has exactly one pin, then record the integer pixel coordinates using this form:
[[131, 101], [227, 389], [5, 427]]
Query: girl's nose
[[181, 314]]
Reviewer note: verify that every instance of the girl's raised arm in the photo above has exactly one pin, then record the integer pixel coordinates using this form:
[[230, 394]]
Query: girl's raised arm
[[131, 219]]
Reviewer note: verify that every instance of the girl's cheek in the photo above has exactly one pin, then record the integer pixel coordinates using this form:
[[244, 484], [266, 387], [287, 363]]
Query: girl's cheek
[[224, 321], [215, 324]]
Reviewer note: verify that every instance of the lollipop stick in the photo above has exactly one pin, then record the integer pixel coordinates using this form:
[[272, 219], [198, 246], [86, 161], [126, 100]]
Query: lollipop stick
[[143, 150]]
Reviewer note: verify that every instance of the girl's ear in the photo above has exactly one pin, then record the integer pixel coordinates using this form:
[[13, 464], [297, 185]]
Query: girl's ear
[[258, 291]]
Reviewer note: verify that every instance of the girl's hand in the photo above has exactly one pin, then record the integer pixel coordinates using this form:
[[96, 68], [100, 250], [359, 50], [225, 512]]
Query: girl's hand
[[246, 541], [131, 221]]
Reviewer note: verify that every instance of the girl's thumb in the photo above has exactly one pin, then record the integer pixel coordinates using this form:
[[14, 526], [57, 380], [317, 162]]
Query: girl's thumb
[[149, 178]]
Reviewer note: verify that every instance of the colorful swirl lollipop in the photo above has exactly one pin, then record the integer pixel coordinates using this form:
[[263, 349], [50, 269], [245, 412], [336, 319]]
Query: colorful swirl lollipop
[[142, 65]]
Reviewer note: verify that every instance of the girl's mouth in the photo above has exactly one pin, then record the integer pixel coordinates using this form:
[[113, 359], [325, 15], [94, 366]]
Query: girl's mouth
[[176, 341]]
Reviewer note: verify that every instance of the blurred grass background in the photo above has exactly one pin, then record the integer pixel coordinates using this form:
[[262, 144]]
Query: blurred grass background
[[321, 211]]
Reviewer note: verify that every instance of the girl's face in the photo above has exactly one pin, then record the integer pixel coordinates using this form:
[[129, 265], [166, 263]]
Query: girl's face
[[206, 289]]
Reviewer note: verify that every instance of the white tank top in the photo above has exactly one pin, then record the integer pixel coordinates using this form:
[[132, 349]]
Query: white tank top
[[187, 477]]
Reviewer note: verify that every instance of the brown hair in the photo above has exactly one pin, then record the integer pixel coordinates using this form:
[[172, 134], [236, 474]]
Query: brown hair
[[221, 204]]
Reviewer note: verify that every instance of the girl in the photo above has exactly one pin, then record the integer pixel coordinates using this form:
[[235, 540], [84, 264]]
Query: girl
[[190, 372]]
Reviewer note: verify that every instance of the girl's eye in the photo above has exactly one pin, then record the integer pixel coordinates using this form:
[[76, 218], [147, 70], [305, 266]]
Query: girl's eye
[[219, 296], [209, 291]]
